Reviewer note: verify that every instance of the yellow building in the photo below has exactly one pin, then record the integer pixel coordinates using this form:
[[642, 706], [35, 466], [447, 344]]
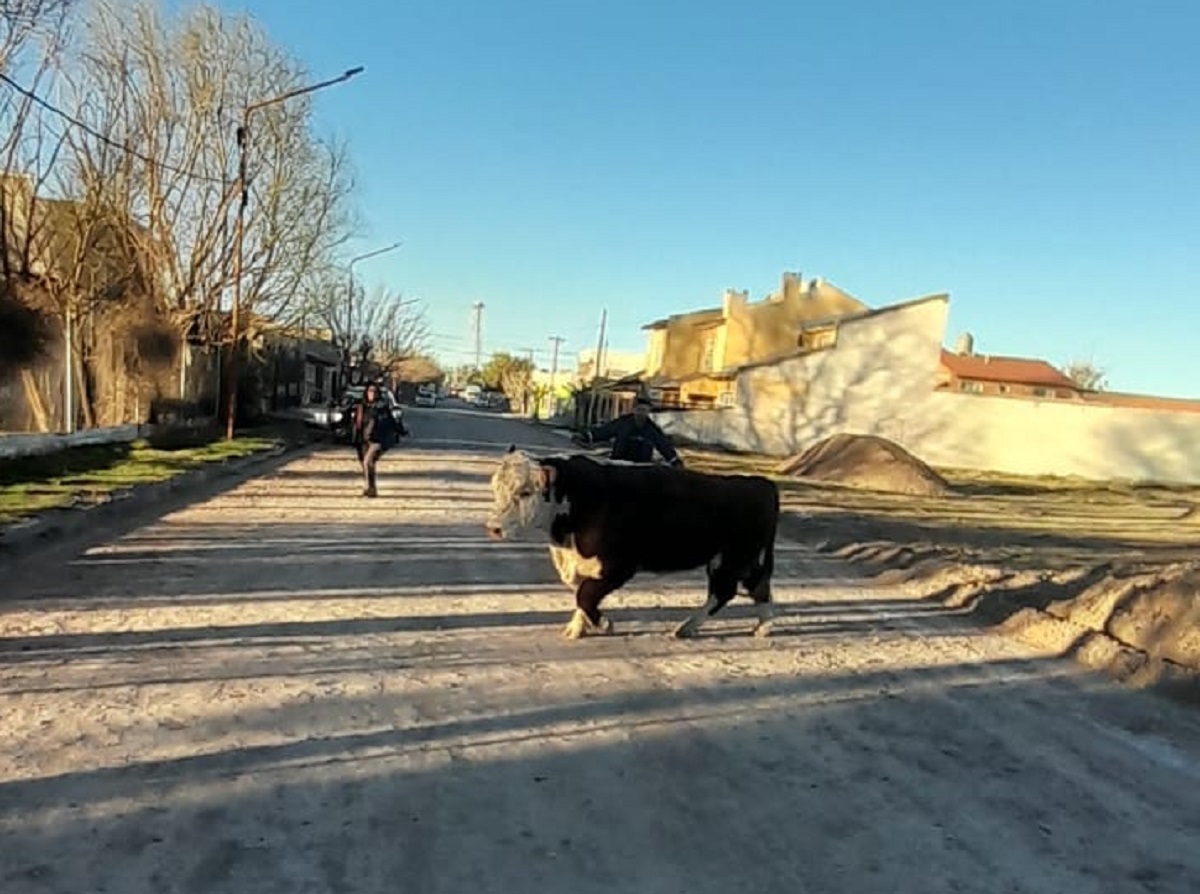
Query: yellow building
[[691, 358]]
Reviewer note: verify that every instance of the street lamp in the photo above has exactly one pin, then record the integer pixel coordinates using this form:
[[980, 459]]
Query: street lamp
[[243, 132], [349, 347], [350, 290]]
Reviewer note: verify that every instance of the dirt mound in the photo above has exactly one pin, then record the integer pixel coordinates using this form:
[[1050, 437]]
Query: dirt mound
[[867, 462], [1136, 620]]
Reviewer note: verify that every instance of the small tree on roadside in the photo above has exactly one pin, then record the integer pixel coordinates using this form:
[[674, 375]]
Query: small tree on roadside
[[509, 374]]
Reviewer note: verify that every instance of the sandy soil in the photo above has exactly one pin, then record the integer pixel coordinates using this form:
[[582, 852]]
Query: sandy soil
[[288, 688]]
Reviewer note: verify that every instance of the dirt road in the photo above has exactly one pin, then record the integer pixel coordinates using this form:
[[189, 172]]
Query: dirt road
[[289, 688]]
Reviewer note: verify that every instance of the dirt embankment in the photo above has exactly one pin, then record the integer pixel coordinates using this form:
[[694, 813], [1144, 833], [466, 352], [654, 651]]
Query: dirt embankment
[[1107, 573]]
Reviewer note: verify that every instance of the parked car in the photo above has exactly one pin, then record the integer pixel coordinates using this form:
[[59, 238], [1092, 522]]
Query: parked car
[[426, 397], [341, 416]]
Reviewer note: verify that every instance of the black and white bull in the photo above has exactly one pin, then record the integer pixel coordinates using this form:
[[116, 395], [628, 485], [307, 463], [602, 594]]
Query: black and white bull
[[607, 520]]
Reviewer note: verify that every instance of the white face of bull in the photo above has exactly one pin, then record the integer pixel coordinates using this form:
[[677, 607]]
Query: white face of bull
[[518, 506]]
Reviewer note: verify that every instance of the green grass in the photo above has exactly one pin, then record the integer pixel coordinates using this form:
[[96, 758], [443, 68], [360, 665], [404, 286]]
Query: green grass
[[33, 484]]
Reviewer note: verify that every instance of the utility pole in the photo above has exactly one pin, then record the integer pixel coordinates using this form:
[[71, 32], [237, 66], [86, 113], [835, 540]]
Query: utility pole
[[477, 325], [558, 340], [242, 134], [600, 347], [592, 409]]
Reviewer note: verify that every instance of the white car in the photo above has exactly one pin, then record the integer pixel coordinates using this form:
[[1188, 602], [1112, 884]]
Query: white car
[[426, 397]]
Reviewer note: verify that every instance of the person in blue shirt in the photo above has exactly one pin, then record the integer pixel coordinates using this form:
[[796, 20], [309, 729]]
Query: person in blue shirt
[[635, 436]]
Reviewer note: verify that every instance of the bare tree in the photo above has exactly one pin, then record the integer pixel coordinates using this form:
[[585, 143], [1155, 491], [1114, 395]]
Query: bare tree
[[1086, 375], [186, 83], [391, 331], [32, 34], [23, 22]]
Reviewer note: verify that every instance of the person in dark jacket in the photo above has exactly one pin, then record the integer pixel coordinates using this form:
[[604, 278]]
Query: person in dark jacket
[[374, 431], [635, 436]]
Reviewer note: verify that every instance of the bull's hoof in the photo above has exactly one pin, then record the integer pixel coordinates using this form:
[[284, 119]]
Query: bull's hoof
[[763, 628], [686, 630], [580, 625], [575, 627]]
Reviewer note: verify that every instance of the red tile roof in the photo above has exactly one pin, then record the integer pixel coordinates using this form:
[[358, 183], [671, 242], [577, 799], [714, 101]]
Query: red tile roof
[[1012, 370]]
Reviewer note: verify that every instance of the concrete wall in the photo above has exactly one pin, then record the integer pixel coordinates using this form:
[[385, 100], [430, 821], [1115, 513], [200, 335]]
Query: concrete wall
[[879, 380], [1048, 437], [13, 446]]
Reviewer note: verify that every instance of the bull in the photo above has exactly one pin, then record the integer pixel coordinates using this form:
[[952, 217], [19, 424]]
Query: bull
[[607, 520]]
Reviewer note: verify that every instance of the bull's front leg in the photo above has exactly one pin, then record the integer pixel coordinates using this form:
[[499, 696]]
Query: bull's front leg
[[587, 617], [722, 587]]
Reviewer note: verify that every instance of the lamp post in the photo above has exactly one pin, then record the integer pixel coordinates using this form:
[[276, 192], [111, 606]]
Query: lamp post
[[243, 133], [349, 291]]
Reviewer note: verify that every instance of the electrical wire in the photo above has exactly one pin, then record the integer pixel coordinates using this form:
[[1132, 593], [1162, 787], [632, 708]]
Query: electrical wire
[[67, 116]]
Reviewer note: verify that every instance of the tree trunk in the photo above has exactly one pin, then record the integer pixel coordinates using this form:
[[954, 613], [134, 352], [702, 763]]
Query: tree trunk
[[41, 418]]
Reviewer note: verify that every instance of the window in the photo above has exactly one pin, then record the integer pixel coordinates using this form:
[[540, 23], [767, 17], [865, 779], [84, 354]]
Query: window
[[971, 387], [814, 339], [1039, 392], [1005, 389]]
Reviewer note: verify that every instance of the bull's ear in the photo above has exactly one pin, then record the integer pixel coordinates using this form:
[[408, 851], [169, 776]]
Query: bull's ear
[[512, 448]]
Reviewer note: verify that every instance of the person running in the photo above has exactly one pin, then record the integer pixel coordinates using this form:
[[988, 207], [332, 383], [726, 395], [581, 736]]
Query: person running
[[374, 431], [635, 436]]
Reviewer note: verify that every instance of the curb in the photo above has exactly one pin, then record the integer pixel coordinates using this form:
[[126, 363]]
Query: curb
[[56, 525]]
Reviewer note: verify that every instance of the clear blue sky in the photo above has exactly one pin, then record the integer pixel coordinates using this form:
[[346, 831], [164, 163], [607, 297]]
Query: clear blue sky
[[1039, 161]]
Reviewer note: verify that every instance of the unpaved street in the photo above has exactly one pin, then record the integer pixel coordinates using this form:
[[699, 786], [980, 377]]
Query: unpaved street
[[289, 688]]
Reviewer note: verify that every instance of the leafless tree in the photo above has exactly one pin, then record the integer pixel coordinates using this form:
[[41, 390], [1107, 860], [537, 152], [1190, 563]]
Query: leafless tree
[[390, 330], [1086, 375], [23, 22], [185, 83], [32, 34]]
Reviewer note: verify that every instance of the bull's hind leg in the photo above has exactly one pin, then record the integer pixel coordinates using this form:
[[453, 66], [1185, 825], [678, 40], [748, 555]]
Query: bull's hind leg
[[758, 586], [587, 617], [722, 587]]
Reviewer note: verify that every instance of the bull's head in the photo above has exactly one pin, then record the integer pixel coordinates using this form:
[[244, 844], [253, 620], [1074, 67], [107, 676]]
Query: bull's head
[[519, 504]]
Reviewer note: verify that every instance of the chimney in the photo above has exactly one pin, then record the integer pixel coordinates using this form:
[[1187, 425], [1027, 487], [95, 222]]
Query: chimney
[[732, 298], [965, 346], [793, 286]]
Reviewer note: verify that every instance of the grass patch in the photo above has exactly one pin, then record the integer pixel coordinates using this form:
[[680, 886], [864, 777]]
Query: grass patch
[[83, 475]]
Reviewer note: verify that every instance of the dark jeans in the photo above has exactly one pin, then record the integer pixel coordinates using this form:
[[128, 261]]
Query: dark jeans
[[368, 456]]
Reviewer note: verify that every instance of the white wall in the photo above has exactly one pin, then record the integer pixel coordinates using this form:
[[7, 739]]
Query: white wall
[[879, 380], [1028, 437]]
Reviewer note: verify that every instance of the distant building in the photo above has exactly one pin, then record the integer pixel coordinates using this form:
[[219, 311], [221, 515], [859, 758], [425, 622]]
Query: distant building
[[964, 370], [690, 356]]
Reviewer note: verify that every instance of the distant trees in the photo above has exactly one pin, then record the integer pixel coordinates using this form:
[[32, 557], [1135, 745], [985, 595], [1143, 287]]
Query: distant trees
[[509, 374]]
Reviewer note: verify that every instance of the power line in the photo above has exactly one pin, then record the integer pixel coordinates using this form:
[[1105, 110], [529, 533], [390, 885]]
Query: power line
[[67, 116]]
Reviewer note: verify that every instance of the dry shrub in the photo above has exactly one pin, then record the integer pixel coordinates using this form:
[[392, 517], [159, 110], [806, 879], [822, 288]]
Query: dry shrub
[[25, 333], [156, 343]]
